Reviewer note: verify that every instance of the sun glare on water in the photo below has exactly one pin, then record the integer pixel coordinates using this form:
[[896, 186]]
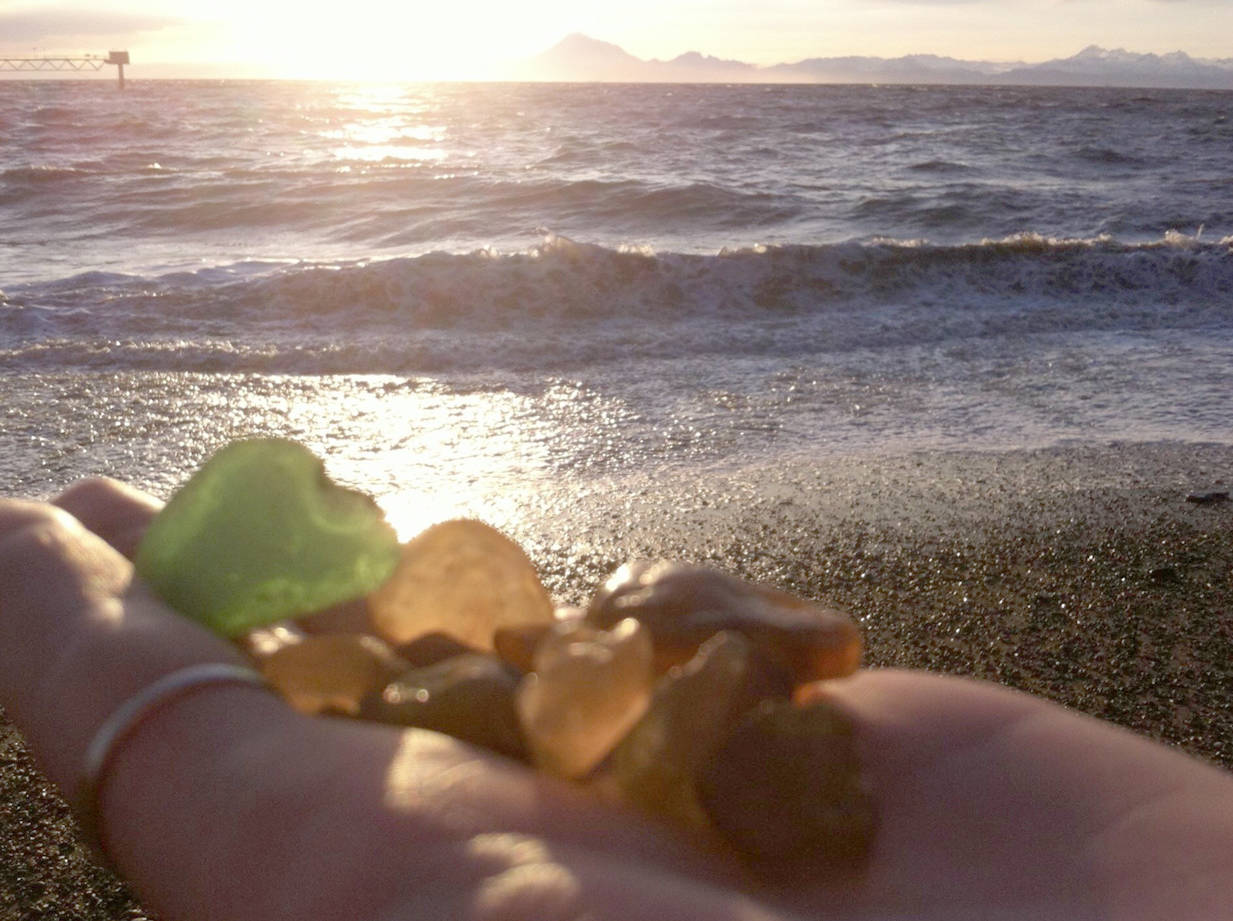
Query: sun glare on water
[[426, 452]]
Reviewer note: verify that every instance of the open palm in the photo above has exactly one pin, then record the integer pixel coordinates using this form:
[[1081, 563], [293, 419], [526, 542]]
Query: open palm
[[226, 804]]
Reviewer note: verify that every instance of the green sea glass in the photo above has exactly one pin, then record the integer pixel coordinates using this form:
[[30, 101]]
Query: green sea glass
[[260, 534]]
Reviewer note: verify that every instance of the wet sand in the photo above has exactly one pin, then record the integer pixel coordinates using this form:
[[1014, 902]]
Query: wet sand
[[1080, 574]]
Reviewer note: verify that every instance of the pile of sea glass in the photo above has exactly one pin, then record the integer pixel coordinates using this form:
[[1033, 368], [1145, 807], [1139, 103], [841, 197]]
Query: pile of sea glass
[[679, 690]]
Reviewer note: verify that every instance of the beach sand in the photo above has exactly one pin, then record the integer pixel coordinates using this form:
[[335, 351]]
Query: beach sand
[[1082, 574]]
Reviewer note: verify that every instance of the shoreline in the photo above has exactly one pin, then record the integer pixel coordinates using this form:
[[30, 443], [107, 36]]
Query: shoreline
[[1081, 574]]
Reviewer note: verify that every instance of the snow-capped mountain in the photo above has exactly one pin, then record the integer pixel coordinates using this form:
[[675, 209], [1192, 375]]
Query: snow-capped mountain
[[581, 58]]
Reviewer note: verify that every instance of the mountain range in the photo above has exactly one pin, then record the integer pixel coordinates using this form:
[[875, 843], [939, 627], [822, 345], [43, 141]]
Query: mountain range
[[579, 58]]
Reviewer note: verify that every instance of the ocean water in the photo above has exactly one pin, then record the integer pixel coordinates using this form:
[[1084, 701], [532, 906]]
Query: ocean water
[[462, 294]]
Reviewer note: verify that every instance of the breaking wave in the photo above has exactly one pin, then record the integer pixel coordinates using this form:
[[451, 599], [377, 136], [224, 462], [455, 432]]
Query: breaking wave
[[564, 302]]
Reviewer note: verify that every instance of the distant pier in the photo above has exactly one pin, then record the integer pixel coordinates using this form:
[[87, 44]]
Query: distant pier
[[86, 62]]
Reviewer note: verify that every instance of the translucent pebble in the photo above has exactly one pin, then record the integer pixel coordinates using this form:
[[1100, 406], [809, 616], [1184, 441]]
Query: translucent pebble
[[463, 578], [348, 617], [691, 712], [589, 687], [516, 645], [683, 606], [259, 534], [331, 672], [470, 697], [430, 649], [785, 788]]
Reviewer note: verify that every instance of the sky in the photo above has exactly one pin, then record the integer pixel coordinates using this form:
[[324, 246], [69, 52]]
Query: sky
[[472, 39]]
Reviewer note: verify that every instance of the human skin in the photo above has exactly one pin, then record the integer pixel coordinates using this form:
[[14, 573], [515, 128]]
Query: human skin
[[227, 804]]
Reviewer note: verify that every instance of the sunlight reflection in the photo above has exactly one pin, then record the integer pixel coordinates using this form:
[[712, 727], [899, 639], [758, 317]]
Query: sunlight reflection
[[374, 97], [386, 122], [426, 451], [412, 512], [425, 769], [388, 139], [385, 131], [377, 154]]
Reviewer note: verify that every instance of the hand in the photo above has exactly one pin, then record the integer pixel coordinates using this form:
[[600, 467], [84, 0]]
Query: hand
[[227, 804]]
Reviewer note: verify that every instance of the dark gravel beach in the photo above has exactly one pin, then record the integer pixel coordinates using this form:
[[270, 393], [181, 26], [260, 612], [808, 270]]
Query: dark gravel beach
[[1085, 575]]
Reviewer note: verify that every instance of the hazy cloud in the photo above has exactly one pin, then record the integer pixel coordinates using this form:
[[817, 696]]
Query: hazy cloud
[[40, 25]]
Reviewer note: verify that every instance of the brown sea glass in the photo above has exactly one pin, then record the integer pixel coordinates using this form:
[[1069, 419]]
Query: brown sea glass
[[347, 617], [470, 697], [589, 687], [431, 648], [516, 645], [786, 790], [683, 606], [692, 710], [463, 578], [331, 672]]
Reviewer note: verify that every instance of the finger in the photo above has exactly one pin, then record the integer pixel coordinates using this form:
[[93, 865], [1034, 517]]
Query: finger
[[115, 511], [16, 514], [79, 637]]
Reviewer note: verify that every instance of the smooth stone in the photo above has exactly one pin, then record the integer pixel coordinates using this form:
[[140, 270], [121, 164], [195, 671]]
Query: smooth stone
[[785, 789], [432, 648], [259, 534], [348, 617], [588, 688], [693, 709], [683, 606], [1211, 497], [331, 673], [517, 645], [463, 578], [469, 697]]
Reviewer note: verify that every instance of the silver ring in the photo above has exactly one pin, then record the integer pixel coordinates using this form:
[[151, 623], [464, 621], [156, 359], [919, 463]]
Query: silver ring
[[127, 717]]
